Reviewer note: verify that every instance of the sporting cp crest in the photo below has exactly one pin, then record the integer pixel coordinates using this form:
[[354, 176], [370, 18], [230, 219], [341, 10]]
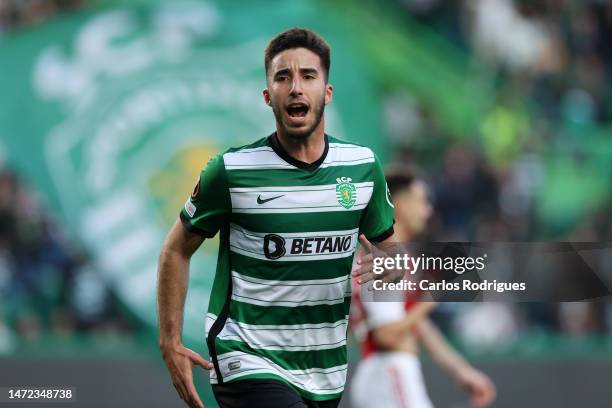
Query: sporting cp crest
[[346, 192]]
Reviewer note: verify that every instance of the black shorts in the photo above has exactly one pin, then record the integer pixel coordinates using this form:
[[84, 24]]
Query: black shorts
[[255, 393]]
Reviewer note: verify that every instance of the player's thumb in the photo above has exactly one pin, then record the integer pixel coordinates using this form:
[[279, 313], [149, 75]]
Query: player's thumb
[[365, 243]]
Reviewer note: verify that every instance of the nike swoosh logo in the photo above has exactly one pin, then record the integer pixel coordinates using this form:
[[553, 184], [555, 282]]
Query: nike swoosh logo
[[265, 200]]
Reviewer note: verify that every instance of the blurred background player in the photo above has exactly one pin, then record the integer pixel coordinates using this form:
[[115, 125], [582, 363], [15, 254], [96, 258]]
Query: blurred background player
[[390, 372]]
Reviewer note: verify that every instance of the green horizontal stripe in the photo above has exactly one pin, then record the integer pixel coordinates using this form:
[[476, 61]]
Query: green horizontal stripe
[[293, 302], [291, 270], [296, 177], [303, 393], [280, 315], [288, 360], [262, 142], [293, 283], [299, 222]]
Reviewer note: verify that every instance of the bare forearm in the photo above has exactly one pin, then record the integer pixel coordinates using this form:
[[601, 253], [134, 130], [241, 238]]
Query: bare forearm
[[390, 335], [172, 282], [439, 349], [173, 276], [412, 318]]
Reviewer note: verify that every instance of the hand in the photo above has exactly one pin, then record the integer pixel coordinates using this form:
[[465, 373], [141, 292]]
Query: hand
[[180, 361], [478, 385], [364, 271]]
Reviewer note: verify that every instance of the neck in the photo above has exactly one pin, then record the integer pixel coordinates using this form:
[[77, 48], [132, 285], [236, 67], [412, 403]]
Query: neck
[[308, 149]]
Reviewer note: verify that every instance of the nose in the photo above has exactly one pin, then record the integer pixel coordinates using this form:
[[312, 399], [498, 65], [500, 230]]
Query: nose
[[296, 86]]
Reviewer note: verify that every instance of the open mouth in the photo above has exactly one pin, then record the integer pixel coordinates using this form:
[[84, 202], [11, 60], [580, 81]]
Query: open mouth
[[297, 110]]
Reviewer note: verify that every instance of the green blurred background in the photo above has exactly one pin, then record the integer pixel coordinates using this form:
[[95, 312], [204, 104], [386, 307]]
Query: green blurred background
[[109, 109]]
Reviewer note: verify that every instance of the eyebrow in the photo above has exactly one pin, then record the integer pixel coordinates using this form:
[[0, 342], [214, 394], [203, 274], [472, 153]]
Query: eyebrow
[[306, 70]]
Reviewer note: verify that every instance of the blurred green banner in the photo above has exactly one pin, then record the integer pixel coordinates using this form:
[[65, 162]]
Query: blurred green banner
[[111, 114]]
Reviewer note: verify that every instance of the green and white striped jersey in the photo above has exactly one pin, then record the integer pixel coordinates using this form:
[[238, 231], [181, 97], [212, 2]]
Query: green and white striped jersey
[[288, 230]]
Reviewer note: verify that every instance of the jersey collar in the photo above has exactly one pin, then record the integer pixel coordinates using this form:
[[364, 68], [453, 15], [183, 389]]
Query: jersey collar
[[279, 150]]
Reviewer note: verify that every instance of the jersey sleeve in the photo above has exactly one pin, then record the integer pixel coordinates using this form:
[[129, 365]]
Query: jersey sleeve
[[209, 205], [377, 220]]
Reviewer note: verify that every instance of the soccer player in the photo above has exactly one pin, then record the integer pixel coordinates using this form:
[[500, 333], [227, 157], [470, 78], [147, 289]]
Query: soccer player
[[390, 373], [289, 209]]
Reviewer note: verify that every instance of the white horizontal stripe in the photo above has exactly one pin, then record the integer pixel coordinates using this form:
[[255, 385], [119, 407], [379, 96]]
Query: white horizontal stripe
[[316, 380], [254, 158], [303, 258], [345, 146], [302, 326], [280, 294], [249, 233], [284, 166], [294, 282], [270, 166], [253, 150], [339, 154], [305, 246], [268, 303], [347, 162], [267, 166], [291, 200], [326, 336], [347, 155]]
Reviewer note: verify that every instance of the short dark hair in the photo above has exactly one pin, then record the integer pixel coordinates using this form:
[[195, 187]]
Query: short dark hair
[[399, 179], [298, 38]]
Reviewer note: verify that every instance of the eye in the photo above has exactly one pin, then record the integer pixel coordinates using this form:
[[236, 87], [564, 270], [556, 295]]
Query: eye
[[281, 78], [309, 76]]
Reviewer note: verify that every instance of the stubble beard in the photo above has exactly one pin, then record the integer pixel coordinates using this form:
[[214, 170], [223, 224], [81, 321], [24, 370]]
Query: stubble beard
[[303, 134]]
